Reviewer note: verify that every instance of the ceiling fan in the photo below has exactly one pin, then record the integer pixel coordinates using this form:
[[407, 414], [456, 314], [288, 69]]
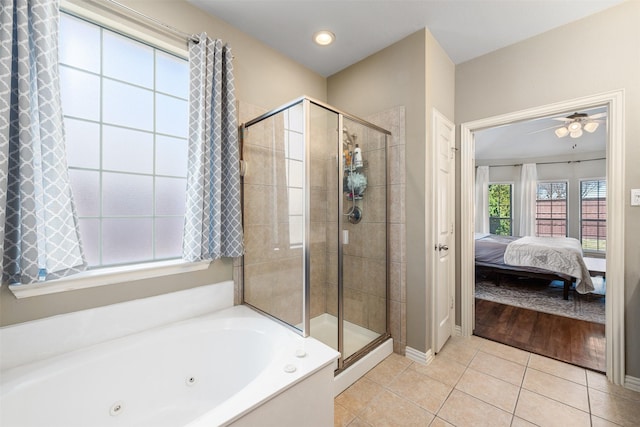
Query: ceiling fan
[[575, 123]]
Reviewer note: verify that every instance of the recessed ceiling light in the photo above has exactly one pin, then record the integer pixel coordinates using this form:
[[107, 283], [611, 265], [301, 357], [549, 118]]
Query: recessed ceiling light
[[324, 37]]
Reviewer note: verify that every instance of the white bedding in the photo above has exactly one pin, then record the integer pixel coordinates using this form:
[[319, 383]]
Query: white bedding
[[560, 254]]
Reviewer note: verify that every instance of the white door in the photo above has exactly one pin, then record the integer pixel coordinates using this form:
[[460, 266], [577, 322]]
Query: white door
[[443, 225]]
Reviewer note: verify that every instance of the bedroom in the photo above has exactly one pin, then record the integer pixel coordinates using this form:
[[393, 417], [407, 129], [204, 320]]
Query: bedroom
[[560, 198]]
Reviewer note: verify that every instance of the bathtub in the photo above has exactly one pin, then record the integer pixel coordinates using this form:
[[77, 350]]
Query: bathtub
[[232, 367]]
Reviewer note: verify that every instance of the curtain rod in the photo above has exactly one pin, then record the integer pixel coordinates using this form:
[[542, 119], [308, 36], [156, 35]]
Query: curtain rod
[[549, 163], [155, 21]]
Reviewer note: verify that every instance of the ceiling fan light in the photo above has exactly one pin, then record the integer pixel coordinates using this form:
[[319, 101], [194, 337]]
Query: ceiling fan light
[[562, 132], [591, 127], [575, 126], [576, 133]]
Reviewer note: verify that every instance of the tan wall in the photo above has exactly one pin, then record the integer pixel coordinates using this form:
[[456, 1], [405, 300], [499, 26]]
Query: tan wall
[[414, 73], [263, 77], [541, 71]]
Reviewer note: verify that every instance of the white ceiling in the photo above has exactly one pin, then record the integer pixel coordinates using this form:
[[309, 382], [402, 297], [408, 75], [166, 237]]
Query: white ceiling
[[536, 139], [464, 28]]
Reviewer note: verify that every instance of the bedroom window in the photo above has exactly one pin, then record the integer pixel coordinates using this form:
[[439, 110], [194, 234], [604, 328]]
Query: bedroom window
[[551, 209], [500, 209], [593, 215], [125, 109]]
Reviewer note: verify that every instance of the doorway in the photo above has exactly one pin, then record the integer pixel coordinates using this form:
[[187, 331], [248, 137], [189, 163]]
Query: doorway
[[614, 328]]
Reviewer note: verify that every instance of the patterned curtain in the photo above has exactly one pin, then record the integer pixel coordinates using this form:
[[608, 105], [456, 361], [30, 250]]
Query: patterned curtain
[[482, 199], [39, 234], [213, 223], [529, 188]]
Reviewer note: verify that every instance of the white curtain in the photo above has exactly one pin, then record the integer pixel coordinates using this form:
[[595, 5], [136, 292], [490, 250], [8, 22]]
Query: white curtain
[[528, 189], [213, 222], [482, 199], [39, 233]]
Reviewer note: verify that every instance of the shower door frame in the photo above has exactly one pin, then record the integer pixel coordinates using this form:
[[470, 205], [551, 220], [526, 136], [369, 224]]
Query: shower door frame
[[306, 102]]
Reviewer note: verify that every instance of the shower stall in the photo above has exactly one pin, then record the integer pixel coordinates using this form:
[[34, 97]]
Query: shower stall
[[315, 220]]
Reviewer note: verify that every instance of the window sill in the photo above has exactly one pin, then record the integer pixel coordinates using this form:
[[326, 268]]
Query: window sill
[[107, 276]]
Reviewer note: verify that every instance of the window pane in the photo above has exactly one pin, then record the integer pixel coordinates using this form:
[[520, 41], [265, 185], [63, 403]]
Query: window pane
[[296, 201], [90, 232], [86, 191], [171, 116], [127, 105], [83, 143], [172, 75], [80, 43], [128, 60], [296, 122], [80, 93], [126, 240], [170, 196], [125, 194], [296, 173], [169, 237], [127, 150], [296, 146], [171, 156]]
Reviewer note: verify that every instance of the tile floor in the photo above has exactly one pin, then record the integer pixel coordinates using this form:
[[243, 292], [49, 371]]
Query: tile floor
[[477, 382]]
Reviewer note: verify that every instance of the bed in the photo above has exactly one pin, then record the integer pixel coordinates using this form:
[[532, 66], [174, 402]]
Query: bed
[[549, 258]]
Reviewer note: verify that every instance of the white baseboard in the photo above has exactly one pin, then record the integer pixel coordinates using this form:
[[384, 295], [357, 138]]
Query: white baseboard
[[632, 383], [418, 356]]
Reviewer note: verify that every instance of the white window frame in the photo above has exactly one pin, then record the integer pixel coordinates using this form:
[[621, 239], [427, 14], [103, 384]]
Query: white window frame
[[566, 216], [512, 185], [590, 251], [124, 273]]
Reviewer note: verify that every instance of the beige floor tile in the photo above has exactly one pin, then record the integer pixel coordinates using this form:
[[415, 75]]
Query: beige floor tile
[[600, 382], [559, 369], [439, 422], [442, 369], [505, 370], [421, 390], [359, 395], [388, 409], [556, 388], [341, 416], [384, 372], [614, 408], [505, 352], [489, 389], [544, 411], [357, 422], [601, 422], [460, 349], [461, 410], [519, 422]]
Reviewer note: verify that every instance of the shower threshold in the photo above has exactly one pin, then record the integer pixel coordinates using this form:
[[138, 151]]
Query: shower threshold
[[324, 328]]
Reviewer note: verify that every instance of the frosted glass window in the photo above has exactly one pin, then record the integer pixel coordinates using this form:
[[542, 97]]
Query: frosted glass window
[[127, 240], [86, 191], [125, 194], [171, 156], [127, 105], [81, 47], [83, 143], [296, 201], [296, 146], [170, 196], [127, 60], [127, 150], [171, 116], [172, 75], [296, 173], [90, 232], [168, 237], [80, 93]]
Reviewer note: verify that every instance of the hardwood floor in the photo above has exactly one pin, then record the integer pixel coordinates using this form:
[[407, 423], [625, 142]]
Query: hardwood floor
[[573, 341]]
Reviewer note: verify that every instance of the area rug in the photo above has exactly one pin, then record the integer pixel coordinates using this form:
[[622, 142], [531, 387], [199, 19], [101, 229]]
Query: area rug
[[545, 296]]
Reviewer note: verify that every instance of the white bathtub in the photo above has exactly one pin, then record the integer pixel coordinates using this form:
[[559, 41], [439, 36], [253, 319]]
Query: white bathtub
[[232, 367]]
